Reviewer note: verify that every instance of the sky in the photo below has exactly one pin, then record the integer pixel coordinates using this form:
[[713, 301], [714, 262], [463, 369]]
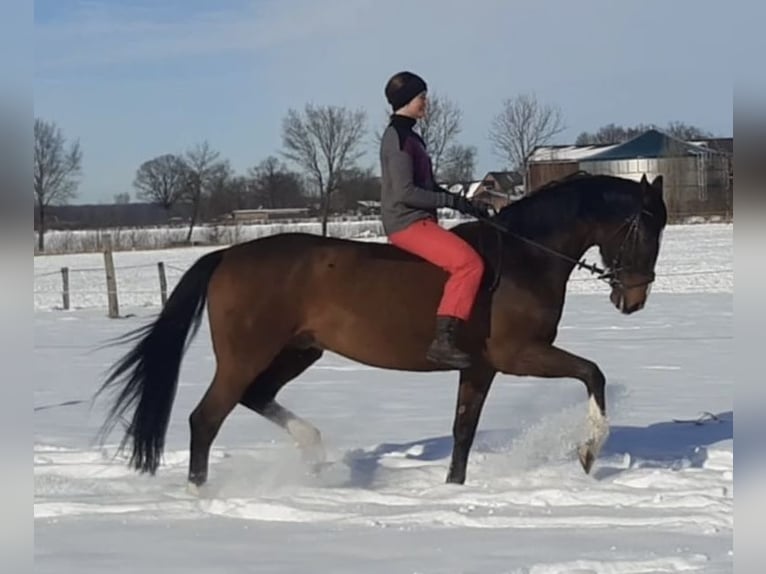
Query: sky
[[133, 79]]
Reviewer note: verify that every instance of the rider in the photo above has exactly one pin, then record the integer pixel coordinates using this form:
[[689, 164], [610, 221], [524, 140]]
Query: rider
[[409, 199]]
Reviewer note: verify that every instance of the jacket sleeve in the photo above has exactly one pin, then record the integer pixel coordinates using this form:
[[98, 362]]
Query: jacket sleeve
[[399, 165]]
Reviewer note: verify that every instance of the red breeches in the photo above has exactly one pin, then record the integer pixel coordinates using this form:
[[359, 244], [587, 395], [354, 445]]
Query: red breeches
[[445, 249]]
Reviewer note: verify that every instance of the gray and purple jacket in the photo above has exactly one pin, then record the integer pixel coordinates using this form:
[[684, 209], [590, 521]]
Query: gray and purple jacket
[[408, 190]]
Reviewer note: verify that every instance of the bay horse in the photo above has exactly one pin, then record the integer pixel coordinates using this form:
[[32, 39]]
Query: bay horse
[[276, 304]]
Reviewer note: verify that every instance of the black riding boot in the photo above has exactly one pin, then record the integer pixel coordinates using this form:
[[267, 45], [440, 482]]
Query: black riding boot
[[443, 349]]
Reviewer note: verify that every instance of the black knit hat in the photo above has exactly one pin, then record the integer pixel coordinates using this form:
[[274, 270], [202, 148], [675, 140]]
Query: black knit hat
[[402, 87]]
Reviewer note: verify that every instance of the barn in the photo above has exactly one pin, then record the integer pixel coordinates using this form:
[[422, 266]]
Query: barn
[[697, 175], [552, 162]]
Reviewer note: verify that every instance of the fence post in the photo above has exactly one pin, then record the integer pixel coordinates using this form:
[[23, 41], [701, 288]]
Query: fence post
[[65, 287], [163, 283], [111, 278]]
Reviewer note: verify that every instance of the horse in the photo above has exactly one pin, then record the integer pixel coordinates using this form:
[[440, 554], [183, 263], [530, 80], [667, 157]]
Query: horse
[[277, 303]]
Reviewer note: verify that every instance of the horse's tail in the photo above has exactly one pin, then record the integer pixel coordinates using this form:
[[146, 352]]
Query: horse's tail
[[146, 378]]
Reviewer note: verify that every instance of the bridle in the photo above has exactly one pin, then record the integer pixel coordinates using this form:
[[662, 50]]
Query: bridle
[[633, 223], [608, 275]]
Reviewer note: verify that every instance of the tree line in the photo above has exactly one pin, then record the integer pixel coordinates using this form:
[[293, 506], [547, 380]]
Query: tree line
[[320, 164], [615, 133]]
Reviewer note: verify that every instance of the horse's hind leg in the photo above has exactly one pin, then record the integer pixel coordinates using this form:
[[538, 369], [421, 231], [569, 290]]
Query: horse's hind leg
[[206, 419], [259, 397], [234, 373], [551, 362]]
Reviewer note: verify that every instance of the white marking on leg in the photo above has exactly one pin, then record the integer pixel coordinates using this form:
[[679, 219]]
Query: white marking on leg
[[308, 437], [305, 434], [192, 489], [598, 428]]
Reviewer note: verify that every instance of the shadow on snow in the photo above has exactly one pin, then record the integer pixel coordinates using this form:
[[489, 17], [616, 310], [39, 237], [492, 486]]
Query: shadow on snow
[[668, 444]]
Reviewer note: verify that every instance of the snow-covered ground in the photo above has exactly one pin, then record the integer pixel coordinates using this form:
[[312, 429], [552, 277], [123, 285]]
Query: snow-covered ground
[[660, 499]]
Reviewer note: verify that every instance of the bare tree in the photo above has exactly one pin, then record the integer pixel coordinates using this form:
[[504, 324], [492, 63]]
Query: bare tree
[[222, 187], [686, 132], [439, 128], [204, 171], [356, 185], [615, 133], [459, 164], [122, 198], [276, 186], [56, 171], [610, 134], [233, 193], [523, 124], [161, 180], [324, 141]]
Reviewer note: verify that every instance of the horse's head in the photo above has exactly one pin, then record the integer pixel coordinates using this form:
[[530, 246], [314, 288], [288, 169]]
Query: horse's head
[[630, 249]]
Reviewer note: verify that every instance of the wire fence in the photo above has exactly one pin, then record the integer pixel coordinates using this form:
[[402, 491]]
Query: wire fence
[[101, 269], [144, 284]]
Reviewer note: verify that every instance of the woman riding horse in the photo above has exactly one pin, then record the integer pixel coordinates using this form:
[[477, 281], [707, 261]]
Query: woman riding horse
[[409, 199]]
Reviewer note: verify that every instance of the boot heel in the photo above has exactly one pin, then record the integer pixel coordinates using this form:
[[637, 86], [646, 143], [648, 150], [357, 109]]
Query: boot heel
[[443, 349]]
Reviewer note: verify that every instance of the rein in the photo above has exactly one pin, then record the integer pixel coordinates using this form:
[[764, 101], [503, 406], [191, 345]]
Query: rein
[[606, 275], [601, 273]]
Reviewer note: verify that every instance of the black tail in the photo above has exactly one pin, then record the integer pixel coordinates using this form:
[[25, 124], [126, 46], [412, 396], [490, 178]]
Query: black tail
[[147, 377]]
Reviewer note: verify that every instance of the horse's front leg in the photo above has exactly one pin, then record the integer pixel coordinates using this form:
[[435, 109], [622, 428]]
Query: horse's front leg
[[472, 391], [541, 360]]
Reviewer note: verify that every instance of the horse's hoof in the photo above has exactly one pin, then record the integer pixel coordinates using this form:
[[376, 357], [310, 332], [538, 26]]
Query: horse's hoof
[[587, 458], [192, 489], [454, 479], [315, 454], [315, 469]]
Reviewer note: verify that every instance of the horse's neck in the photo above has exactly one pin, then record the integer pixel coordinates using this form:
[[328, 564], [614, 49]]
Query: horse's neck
[[556, 253], [571, 243]]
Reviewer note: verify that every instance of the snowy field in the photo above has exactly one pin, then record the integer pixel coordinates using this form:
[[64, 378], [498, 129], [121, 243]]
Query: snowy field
[[660, 498]]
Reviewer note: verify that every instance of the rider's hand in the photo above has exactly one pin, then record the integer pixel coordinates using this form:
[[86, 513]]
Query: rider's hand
[[463, 205]]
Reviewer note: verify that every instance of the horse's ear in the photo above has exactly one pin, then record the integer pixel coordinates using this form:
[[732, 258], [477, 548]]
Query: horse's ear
[[657, 183], [652, 191]]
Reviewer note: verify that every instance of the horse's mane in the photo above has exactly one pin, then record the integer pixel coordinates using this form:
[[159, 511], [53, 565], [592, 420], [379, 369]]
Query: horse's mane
[[558, 204]]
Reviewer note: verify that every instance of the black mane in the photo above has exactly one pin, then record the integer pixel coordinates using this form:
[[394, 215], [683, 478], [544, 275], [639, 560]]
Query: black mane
[[559, 204]]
